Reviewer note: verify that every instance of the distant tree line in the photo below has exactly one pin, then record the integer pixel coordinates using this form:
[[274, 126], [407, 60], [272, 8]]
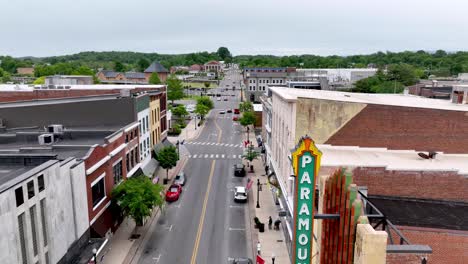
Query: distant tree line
[[439, 63]]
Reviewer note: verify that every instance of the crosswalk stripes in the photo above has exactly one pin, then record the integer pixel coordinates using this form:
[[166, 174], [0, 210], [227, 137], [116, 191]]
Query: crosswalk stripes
[[214, 156]]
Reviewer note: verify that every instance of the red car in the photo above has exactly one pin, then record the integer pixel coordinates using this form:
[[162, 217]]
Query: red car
[[236, 111], [173, 193], [235, 118]]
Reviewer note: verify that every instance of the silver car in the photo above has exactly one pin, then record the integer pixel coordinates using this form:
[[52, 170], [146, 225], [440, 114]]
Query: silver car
[[180, 179], [240, 194]]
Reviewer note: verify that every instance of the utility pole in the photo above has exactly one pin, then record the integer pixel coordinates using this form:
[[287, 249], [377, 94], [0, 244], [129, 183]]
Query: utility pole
[[258, 192]]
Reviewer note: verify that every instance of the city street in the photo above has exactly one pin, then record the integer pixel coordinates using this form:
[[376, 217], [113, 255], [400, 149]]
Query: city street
[[205, 225]]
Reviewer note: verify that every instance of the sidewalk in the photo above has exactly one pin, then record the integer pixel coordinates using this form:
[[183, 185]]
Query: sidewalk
[[190, 132], [271, 241]]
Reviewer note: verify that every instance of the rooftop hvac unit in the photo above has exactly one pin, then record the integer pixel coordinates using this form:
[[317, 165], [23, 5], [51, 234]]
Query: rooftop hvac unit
[[46, 139], [56, 129]]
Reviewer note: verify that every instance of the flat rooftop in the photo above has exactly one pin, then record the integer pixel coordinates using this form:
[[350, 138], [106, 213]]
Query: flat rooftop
[[30, 88], [391, 159], [64, 100], [292, 94], [9, 172]]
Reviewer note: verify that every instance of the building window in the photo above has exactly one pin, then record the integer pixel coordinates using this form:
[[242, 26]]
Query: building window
[[117, 169], [98, 192], [44, 223], [127, 161], [22, 237], [32, 213], [19, 196], [40, 183], [30, 186]]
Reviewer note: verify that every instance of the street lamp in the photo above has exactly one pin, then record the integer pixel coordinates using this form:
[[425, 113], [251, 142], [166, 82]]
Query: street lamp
[[258, 192], [94, 255], [177, 144], [273, 258], [248, 129]]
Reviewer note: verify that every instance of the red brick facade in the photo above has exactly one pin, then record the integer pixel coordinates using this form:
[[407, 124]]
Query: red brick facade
[[448, 246], [396, 127], [101, 218], [414, 184]]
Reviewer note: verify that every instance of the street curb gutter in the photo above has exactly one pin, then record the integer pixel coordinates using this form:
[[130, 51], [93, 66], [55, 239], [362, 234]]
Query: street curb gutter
[[135, 250]]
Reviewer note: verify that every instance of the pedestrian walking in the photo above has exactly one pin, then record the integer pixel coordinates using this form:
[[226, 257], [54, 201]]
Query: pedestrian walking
[[270, 222]]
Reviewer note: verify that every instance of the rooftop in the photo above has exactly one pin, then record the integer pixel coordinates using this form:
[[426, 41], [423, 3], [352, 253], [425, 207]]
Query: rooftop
[[156, 67], [391, 159], [423, 213], [292, 94], [30, 88]]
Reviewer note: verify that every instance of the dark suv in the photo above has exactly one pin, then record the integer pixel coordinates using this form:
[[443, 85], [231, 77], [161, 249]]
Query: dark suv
[[239, 170]]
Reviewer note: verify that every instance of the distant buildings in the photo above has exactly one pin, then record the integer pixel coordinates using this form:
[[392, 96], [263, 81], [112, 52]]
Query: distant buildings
[[213, 66], [25, 70], [61, 80], [62, 156], [196, 68], [157, 68], [256, 80]]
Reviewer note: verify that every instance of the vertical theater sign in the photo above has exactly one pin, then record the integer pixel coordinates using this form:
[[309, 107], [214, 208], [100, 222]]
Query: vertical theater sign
[[306, 164]]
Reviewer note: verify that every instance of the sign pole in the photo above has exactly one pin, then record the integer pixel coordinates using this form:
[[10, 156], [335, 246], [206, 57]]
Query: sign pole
[[306, 164]]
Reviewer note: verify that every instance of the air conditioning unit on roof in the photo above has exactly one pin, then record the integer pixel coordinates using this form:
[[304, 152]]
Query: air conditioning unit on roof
[[56, 129], [46, 139]]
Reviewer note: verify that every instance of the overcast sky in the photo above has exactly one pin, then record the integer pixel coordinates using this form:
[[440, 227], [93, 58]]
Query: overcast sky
[[280, 27]]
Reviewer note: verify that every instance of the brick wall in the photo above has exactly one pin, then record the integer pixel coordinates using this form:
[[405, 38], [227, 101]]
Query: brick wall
[[397, 127], [448, 246], [415, 184]]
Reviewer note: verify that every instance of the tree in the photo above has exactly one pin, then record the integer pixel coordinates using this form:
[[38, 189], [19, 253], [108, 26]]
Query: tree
[[40, 80], [143, 65], [206, 101], [175, 90], [167, 158], [224, 53], [207, 85], [404, 73], [250, 155], [201, 110], [83, 70], [154, 78], [247, 118], [118, 66], [180, 112], [137, 196], [246, 107]]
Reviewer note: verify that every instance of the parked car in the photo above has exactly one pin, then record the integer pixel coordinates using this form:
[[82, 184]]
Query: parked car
[[235, 118], [173, 193], [242, 261], [239, 170], [240, 194], [236, 111], [229, 110], [222, 111], [180, 179], [218, 99]]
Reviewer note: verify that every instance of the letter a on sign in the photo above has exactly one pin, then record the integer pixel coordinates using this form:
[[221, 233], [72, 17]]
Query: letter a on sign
[[306, 163]]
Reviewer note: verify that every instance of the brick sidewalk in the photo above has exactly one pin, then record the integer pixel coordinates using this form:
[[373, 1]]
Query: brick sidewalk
[[271, 241]]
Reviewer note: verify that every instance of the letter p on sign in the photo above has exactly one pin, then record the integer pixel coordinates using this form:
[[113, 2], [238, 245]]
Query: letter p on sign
[[306, 160]]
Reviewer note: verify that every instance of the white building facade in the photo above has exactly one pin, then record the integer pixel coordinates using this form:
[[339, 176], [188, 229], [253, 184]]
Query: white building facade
[[144, 143], [43, 212]]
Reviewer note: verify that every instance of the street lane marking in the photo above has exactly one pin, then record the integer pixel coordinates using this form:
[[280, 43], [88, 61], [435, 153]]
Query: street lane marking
[[240, 156], [222, 156], [236, 206], [236, 229], [216, 156], [206, 156], [202, 216], [211, 156]]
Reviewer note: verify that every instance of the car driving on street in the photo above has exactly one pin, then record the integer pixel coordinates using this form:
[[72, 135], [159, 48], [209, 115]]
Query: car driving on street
[[180, 179], [240, 194], [239, 170], [173, 193]]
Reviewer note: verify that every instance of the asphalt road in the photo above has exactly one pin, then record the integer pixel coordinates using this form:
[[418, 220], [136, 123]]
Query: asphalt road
[[205, 225]]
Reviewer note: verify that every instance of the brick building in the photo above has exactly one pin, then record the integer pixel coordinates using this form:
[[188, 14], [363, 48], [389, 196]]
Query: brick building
[[379, 138], [158, 68]]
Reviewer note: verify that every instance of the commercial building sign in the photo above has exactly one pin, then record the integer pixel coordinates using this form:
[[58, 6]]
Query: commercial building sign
[[306, 164]]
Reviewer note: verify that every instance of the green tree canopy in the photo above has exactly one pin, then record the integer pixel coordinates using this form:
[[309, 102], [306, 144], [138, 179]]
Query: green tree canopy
[[251, 154], [143, 65], [175, 90], [246, 106], [247, 118], [206, 101], [154, 78], [137, 196], [167, 158], [118, 66], [180, 112], [224, 53], [201, 110], [40, 80]]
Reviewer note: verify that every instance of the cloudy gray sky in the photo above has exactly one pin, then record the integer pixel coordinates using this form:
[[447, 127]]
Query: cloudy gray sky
[[343, 27]]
